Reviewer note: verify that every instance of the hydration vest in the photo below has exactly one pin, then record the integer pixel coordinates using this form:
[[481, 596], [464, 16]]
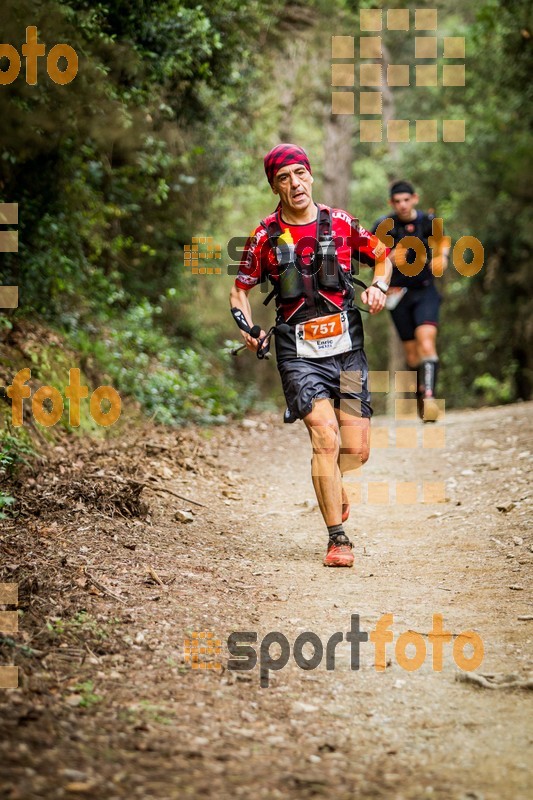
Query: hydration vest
[[301, 289], [421, 228]]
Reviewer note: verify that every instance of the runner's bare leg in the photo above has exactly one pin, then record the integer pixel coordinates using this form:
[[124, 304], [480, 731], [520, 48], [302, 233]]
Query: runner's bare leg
[[324, 433], [355, 443], [328, 429]]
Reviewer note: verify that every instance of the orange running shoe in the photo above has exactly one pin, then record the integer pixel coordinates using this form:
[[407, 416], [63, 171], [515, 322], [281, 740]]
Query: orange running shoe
[[339, 553]]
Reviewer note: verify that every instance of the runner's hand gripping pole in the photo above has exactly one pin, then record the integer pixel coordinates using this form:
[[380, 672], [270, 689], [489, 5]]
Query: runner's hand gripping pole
[[254, 331]]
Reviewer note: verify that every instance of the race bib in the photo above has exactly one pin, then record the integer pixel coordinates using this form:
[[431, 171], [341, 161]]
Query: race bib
[[323, 336]]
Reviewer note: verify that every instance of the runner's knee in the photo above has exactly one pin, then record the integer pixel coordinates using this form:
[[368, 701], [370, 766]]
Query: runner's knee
[[426, 337], [357, 456], [411, 354], [325, 437], [427, 348], [355, 448]]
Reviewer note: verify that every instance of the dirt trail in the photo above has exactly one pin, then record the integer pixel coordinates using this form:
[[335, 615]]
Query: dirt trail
[[108, 707]]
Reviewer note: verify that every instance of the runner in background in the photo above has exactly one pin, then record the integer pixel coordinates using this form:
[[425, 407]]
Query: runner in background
[[413, 299]]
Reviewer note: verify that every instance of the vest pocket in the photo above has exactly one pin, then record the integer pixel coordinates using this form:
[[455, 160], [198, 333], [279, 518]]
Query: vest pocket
[[328, 270], [291, 285]]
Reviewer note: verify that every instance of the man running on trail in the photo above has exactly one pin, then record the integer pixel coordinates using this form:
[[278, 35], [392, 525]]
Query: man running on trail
[[305, 249], [413, 300]]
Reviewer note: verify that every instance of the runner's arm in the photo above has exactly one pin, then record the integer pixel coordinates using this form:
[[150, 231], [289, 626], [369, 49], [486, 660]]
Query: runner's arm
[[249, 275], [381, 228], [373, 296], [440, 247], [239, 299], [371, 251], [383, 270]]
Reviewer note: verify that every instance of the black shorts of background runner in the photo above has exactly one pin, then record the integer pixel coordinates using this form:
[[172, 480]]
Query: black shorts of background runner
[[305, 380], [419, 306]]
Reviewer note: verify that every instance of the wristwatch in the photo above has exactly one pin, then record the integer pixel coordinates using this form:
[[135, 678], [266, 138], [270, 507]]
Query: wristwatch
[[382, 285]]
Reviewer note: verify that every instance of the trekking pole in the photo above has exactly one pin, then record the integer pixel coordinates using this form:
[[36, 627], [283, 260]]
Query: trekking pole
[[263, 349]]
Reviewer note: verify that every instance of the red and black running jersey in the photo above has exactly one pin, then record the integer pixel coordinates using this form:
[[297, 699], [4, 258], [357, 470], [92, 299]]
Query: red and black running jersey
[[351, 240]]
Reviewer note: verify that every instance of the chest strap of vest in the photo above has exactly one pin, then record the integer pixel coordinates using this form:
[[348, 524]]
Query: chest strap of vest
[[274, 231]]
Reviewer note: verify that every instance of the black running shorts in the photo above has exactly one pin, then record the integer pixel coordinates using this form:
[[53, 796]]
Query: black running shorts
[[307, 379], [419, 306]]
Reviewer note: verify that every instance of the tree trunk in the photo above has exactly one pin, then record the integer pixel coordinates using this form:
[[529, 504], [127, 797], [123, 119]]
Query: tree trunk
[[396, 353], [338, 159], [389, 106]]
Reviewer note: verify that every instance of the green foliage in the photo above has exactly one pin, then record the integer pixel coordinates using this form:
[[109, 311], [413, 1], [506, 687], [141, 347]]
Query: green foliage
[[481, 187], [81, 623], [88, 696], [173, 382], [112, 173], [5, 502], [15, 450], [493, 391], [111, 170]]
